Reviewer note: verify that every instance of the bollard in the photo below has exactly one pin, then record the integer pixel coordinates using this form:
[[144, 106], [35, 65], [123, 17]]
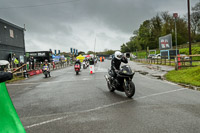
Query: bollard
[[179, 61]]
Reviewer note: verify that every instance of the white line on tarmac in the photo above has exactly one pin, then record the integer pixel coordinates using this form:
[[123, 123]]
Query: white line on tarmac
[[101, 107], [52, 82]]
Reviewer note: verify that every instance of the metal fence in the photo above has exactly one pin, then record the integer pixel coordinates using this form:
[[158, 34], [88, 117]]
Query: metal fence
[[178, 62], [23, 71]]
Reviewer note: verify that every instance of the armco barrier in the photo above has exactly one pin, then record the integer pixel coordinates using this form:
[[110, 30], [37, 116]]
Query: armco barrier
[[40, 70], [37, 72], [31, 73]]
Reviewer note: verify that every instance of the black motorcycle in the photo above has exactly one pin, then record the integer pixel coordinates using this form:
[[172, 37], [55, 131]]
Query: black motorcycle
[[123, 81]]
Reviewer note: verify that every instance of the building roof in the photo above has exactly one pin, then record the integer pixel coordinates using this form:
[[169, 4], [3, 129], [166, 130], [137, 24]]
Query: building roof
[[13, 25]]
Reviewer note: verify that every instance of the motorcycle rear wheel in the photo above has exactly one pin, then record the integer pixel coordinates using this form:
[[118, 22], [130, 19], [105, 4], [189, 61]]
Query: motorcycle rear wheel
[[129, 89]]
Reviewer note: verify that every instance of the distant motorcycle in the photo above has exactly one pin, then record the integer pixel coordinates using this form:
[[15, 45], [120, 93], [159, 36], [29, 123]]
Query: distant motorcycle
[[84, 65], [123, 81], [46, 71], [87, 63], [77, 68]]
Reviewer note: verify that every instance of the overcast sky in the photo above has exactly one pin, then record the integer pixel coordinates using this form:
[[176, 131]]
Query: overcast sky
[[62, 24]]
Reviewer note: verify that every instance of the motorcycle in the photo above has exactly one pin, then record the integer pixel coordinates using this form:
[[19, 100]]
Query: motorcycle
[[123, 81], [46, 71], [84, 65], [87, 63], [77, 68]]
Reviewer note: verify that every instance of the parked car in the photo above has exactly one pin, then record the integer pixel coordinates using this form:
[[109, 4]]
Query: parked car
[[184, 56], [110, 57], [158, 56], [151, 56]]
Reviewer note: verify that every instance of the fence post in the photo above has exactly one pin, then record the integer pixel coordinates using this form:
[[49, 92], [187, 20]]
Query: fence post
[[176, 63]]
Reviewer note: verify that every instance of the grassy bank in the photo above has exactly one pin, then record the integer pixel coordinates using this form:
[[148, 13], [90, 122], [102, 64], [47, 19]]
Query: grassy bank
[[190, 76], [15, 78]]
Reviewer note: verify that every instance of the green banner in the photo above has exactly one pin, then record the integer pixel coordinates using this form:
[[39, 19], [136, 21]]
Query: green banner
[[9, 120]]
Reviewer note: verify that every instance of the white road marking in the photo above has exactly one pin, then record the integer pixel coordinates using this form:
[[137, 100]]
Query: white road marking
[[52, 82], [101, 107]]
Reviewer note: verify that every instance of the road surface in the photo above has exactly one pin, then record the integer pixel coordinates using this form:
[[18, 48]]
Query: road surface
[[69, 103]]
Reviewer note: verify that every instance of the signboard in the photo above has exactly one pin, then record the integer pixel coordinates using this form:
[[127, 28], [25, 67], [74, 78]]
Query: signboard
[[58, 51], [71, 50], [33, 54], [175, 15], [165, 42], [55, 52], [74, 51], [41, 54], [21, 58]]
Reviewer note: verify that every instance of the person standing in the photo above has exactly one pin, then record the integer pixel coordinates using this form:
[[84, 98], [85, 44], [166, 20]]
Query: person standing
[[91, 62]]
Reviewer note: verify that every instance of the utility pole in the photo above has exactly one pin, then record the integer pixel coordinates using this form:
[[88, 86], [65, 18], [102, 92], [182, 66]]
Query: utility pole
[[189, 33], [175, 15]]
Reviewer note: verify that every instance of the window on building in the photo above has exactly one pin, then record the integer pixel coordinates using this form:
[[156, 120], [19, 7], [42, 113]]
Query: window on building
[[11, 33]]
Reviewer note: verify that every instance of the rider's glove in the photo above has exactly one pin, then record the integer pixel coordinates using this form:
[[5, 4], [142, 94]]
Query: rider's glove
[[116, 71]]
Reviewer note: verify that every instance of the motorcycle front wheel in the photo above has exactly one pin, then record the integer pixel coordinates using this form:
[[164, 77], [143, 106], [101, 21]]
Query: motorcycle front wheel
[[129, 88], [111, 89]]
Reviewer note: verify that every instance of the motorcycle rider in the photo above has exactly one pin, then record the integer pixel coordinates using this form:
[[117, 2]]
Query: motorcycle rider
[[116, 62], [78, 62], [47, 64]]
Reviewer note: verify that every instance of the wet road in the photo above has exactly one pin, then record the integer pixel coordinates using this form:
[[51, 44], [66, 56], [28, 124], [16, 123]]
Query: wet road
[[66, 103]]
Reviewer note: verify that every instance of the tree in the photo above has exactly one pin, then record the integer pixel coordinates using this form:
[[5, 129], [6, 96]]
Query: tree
[[195, 21], [90, 52], [81, 52]]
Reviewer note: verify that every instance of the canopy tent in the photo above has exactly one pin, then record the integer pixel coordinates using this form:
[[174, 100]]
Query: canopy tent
[[80, 57], [4, 62], [88, 56]]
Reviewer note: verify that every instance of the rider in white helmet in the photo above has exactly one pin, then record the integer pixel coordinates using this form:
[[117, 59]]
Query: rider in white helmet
[[116, 62]]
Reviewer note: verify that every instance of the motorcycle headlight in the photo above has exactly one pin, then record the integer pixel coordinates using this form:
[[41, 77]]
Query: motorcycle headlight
[[124, 71]]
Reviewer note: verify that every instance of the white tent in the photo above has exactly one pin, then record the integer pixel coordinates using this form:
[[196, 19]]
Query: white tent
[[4, 62]]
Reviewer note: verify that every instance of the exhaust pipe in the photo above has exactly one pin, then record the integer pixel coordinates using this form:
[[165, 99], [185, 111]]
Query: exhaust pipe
[[106, 77]]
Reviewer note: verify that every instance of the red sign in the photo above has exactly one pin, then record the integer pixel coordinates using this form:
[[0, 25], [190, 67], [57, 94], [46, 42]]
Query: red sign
[[175, 15]]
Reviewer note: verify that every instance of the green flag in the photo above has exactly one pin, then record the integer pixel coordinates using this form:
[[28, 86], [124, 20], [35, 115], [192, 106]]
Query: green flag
[[9, 120]]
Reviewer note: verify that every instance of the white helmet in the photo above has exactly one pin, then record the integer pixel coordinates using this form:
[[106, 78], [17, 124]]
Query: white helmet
[[118, 55]]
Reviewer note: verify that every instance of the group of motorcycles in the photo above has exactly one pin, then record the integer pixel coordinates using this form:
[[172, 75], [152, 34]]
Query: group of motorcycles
[[121, 82]]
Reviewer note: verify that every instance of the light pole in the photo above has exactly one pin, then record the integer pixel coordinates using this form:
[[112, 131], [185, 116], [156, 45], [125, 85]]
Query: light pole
[[175, 15], [94, 45], [189, 33]]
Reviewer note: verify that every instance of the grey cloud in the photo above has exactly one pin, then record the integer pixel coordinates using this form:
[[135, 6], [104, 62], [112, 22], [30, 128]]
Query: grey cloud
[[75, 24]]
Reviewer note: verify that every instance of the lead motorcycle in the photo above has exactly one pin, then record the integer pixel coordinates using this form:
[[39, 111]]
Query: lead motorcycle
[[123, 81]]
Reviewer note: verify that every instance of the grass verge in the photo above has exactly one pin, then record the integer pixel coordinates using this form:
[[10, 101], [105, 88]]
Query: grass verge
[[15, 78], [190, 76]]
